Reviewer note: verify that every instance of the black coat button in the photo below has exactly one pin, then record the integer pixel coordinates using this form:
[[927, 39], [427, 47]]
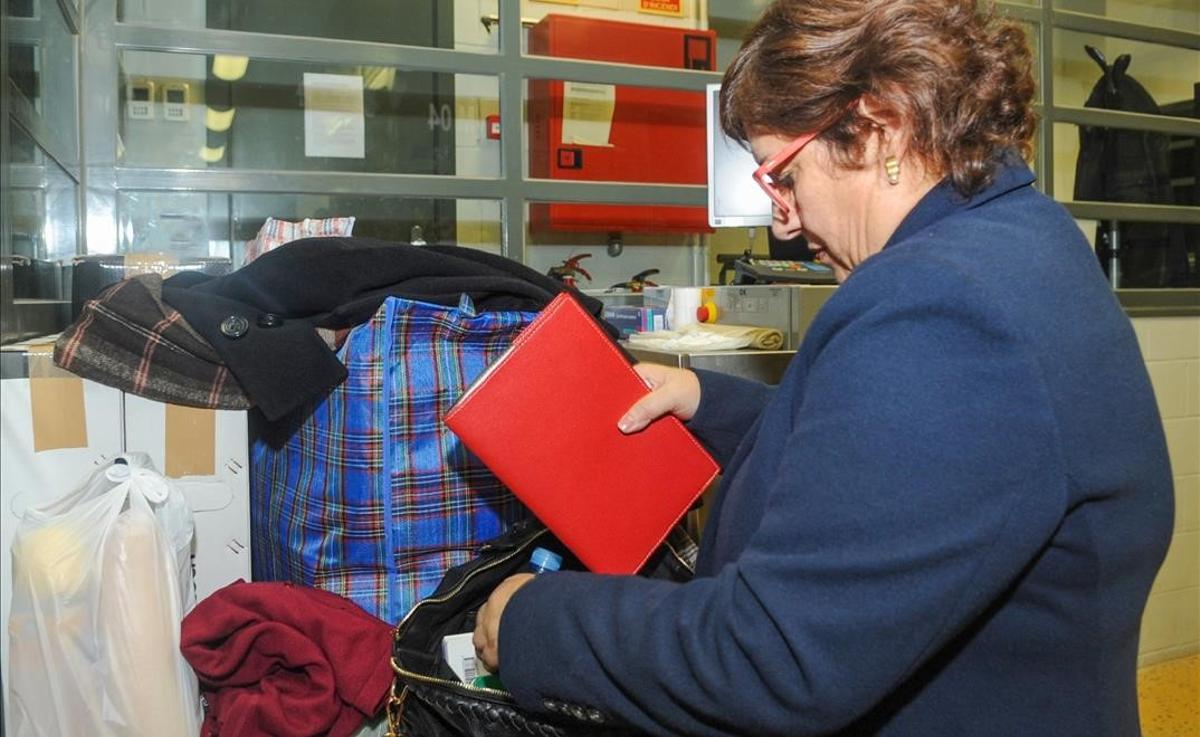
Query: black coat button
[[269, 320], [234, 327]]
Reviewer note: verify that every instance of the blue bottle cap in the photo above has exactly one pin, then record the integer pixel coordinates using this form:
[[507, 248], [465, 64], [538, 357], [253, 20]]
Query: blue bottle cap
[[545, 560]]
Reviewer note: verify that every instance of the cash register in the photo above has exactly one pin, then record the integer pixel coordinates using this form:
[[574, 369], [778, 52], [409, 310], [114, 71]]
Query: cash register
[[789, 262], [751, 270]]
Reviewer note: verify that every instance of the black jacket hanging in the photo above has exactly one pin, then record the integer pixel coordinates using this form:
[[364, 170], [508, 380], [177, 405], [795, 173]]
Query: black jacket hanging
[[1118, 165]]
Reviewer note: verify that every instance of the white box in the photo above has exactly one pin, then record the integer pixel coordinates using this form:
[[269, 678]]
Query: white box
[[459, 653]]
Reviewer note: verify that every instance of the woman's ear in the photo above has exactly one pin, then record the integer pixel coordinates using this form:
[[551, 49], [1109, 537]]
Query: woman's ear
[[888, 127]]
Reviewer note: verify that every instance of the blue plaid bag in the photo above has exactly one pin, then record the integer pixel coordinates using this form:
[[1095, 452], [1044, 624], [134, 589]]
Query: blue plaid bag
[[373, 498]]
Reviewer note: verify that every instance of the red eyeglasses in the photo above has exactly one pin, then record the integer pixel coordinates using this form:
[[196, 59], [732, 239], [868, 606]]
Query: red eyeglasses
[[767, 174]]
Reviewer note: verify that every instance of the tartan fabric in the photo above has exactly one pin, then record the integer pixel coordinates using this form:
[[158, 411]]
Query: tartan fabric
[[275, 233], [373, 498], [130, 339]]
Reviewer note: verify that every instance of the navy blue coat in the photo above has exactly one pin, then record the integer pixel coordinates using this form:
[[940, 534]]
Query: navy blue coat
[[944, 521]]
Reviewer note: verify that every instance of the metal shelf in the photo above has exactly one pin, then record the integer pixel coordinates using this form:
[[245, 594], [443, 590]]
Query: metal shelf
[[404, 185], [1085, 23], [1129, 121], [1134, 212], [412, 58]]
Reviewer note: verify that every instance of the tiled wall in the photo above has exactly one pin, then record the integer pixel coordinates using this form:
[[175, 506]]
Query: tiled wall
[[1171, 624]]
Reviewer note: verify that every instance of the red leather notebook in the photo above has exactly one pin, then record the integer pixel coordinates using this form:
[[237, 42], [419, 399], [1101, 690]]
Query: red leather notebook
[[543, 418]]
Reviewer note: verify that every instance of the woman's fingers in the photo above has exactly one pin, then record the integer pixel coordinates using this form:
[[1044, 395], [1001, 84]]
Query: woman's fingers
[[673, 391]]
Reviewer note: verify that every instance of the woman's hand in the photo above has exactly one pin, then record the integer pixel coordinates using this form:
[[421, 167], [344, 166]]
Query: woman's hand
[[673, 391], [487, 622]]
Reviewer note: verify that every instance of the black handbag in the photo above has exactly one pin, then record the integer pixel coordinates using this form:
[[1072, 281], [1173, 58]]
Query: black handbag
[[428, 700]]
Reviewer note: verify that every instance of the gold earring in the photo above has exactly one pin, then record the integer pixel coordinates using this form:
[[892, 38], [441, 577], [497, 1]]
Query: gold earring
[[891, 165]]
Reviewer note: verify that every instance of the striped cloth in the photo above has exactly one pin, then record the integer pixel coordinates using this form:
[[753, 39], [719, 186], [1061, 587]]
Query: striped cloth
[[373, 498], [129, 338], [275, 233]]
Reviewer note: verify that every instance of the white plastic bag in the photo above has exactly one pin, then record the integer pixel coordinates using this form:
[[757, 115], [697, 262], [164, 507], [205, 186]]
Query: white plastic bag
[[101, 580]]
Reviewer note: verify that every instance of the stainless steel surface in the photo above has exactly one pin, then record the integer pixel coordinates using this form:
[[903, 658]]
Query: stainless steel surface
[[1044, 138], [789, 308], [7, 318], [765, 366], [514, 143], [768, 306], [43, 193], [1114, 258]]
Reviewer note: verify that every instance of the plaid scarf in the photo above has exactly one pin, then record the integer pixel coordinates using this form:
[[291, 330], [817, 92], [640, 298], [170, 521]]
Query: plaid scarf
[[130, 339]]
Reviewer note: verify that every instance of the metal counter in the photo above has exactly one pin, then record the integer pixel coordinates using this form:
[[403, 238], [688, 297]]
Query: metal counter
[[789, 308], [766, 366]]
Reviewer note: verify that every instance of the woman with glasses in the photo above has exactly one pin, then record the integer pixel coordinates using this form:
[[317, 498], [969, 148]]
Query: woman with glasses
[[946, 518]]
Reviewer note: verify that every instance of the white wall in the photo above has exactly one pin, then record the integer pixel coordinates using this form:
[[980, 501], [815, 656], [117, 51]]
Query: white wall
[[1171, 624]]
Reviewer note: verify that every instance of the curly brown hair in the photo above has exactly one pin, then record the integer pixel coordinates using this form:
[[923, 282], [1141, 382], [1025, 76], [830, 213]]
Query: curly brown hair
[[961, 79]]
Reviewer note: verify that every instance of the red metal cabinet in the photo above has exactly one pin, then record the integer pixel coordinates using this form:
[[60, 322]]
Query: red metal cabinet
[[657, 135]]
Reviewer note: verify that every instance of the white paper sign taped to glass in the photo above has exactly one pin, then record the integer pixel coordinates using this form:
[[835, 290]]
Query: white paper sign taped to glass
[[333, 116]]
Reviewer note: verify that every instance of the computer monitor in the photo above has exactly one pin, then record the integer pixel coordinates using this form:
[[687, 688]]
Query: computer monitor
[[733, 198]]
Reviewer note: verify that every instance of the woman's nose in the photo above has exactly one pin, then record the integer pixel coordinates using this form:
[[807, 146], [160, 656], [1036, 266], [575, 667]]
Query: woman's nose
[[786, 227]]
